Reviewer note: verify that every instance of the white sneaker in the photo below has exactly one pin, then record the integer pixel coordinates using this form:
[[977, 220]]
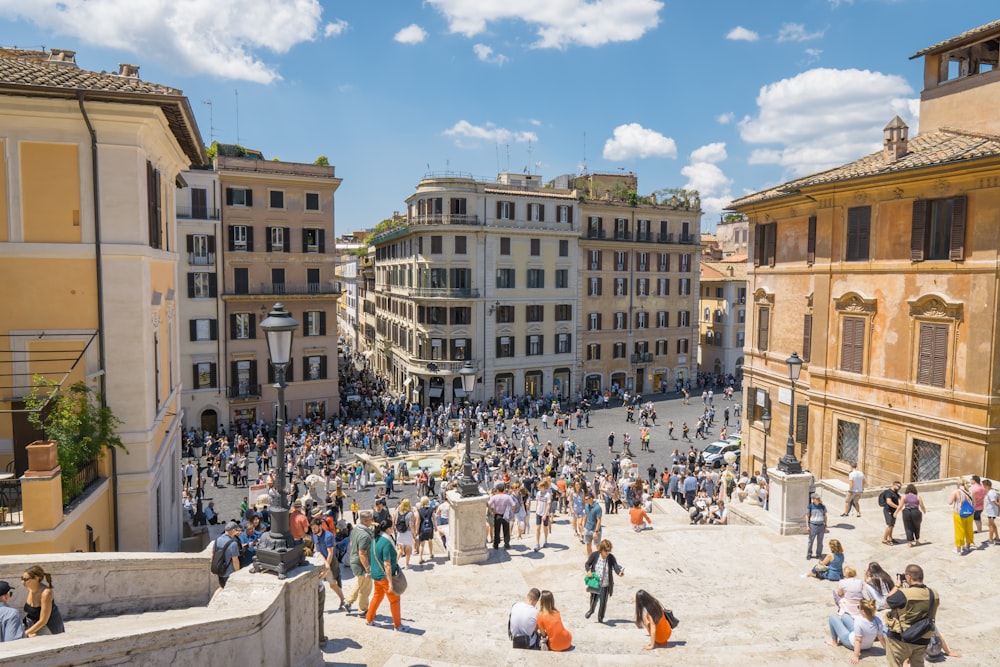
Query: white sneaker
[[537, 547]]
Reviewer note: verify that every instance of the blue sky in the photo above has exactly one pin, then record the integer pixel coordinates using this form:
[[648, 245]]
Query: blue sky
[[726, 96]]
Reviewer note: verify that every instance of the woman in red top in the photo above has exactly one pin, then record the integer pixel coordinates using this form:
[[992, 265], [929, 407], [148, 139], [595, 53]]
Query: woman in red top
[[550, 623], [649, 615]]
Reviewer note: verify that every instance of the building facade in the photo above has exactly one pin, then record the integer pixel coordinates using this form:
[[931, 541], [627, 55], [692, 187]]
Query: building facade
[[722, 317], [881, 274], [88, 274]]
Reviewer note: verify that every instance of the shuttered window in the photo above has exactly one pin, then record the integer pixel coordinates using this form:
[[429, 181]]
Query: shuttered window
[[938, 229], [802, 426], [807, 333], [852, 344], [932, 360], [811, 241], [765, 244], [859, 221], [763, 328]]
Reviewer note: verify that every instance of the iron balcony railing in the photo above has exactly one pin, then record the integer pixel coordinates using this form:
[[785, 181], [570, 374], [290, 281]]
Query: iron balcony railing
[[244, 391], [197, 213], [445, 292]]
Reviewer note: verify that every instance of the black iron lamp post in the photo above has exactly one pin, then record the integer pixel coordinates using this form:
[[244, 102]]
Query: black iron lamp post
[[788, 463], [468, 487], [766, 421], [277, 551]]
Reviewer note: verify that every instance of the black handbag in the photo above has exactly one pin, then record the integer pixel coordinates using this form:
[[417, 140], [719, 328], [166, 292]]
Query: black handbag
[[671, 619], [920, 627]]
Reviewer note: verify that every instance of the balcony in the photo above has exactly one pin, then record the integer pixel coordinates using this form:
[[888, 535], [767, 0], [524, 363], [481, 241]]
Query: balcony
[[434, 366], [245, 391], [444, 292], [595, 234], [623, 236], [664, 238], [444, 219], [645, 237], [642, 357], [201, 259], [267, 289], [197, 213], [687, 238]]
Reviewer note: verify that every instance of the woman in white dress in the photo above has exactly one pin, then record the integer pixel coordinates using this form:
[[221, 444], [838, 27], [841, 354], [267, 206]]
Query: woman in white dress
[[404, 516]]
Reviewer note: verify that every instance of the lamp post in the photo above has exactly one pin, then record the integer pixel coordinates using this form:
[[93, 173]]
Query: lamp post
[[788, 463], [468, 487], [766, 420], [277, 551]]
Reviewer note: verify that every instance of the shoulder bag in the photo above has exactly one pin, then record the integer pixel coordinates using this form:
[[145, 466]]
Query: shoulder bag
[[920, 627], [671, 619], [593, 583], [965, 510], [399, 582]]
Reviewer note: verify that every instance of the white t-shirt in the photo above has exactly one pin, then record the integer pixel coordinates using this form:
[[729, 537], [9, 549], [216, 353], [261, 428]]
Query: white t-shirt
[[523, 619], [857, 479], [992, 504], [868, 631], [542, 502]]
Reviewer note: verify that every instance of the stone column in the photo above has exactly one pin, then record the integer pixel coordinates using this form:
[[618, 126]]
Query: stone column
[[467, 529], [41, 488], [788, 502]]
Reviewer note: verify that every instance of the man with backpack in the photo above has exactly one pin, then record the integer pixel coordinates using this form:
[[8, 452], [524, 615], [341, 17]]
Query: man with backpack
[[888, 500], [226, 553]]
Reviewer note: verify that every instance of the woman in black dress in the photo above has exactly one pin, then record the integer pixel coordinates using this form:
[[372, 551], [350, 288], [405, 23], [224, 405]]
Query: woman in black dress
[[42, 616]]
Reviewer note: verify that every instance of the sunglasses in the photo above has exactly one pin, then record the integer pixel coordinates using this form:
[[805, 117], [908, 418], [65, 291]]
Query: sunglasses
[[26, 578]]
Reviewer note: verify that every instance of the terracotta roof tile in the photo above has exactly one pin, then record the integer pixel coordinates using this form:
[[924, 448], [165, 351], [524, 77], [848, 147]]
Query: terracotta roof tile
[[968, 36], [944, 146]]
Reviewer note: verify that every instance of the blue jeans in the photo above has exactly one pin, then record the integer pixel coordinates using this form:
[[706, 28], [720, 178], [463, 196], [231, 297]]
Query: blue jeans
[[840, 629], [816, 532]]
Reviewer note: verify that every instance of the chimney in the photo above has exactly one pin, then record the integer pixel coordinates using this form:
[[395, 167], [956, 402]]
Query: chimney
[[894, 143], [131, 71], [62, 56]]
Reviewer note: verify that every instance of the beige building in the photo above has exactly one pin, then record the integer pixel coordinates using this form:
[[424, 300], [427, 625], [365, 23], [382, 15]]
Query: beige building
[[88, 268], [722, 316], [881, 273]]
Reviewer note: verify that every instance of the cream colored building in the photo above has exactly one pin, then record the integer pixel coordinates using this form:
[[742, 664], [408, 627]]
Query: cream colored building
[[882, 275], [88, 266], [722, 316]]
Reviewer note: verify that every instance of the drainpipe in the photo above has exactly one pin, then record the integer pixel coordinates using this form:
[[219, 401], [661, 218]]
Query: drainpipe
[[100, 302]]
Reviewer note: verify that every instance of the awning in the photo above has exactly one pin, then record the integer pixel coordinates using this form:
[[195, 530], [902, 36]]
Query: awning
[[367, 353], [435, 392], [459, 393], [407, 382]]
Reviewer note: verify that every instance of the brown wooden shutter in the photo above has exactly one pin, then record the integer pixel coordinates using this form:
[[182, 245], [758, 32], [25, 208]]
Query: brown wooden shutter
[[213, 375], [267, 239], [211, 245], [232, 236], [853, 345], [758, 244], [772, 243], [190, 242], [194, 329], [958, 209], [811, 241], [322, 241], [249, 239], [939, 354], [918, 230], [541, 212], [196, 384], [802, 425], [322, 323], [213, 330], [570, 211], [763, 328], [925, 346], [807, 332], [499, 207], [232, 327], [213, 285], [287, 236], [253, 374], [253, 326], [751, 404], [229, 196], [234, 371], [249, 197]]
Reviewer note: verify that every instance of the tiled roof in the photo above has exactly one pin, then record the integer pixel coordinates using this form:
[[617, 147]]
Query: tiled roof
[[720, 270], [23, 73], [737, 258], [944, 146], [969, 36], [529, 192]]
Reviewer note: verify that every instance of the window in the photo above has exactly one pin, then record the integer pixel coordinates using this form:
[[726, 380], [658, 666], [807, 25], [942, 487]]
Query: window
[[460, 245], [641, 320], [621, 287], [595, 260], [564, 342], [619, 320], [621, 261], [663, 287], [859, 220], [707, 314], [534, 313], [925, 464], [618, 351], [564, 214], [276, 199], [314, 367], [594, 289], [938, 230], [278, 281], [439, 278], [505, 210], [848, 441], [593, 351], [686, 263], [852, 344], [436, 245], [315, 324], [201, 249], [239, 197], [505, 278], [312, 279], [742, 316], [718, 292], [684, 318], [312, 201], [932, 354], [201, 286], [562, 278], [278, 239], [595, 228], [458, 206], [240, 238], [642, 286], [504, 245], [505, 346], [811, 241], [536, 278], [564, 312], [436, 349], [594, 322], [807, 332], [461, 315], [661, 347], [437, 315], [536, 212], [642, 261], [205, 375], [241, 280], [505, 314], [312, 241], [621, 229], [684, 287], [563, 248], [243, 326], [536, 247], [535, 346], [765, 240], [460, 349], [682, 346], [662, 319], [204, 329], [664, 261], [763, 328]]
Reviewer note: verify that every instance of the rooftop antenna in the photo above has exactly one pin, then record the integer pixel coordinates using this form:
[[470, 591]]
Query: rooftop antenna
[[585, 152], [529, 156], [237, 91], [211, 121]]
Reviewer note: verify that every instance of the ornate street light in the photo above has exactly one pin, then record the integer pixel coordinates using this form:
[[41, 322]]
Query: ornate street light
[[467, 485], [788, 463], [277, 551], [766, 421]]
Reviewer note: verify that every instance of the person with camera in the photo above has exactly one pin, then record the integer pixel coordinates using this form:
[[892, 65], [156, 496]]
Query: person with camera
[[912, 609]]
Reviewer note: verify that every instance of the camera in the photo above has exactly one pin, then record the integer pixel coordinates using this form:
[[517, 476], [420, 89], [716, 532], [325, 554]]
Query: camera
[[902, 579]]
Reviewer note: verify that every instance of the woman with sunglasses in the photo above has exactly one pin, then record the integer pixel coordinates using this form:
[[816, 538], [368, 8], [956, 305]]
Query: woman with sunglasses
[[42, 616]]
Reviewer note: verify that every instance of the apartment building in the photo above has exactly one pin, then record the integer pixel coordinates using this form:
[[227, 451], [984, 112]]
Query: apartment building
[[881, 274], [88, 268], [479, 272], [638, 287], [722, 316]]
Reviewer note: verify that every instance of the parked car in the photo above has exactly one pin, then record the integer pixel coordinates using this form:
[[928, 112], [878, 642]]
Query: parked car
[[715, 453]]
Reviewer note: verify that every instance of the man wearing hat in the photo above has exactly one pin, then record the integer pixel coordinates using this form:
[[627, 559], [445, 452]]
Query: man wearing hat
[[298, 523], [10, 620], [229, 541], [816, 516]]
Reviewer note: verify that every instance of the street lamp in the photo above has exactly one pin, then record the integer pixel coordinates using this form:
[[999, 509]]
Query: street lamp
[[766, 421], [468, 487], [788, 463], [277, 551]]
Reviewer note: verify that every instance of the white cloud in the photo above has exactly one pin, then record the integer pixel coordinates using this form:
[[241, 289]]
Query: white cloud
[[796, 32], [725, 118], [334, 29], [635, 141], [215, 37], [825, 117], [535, 122], [741, 34], [411, 34], [558, 23], [486, 54], [835, 4], [463, 129], [705, 176]]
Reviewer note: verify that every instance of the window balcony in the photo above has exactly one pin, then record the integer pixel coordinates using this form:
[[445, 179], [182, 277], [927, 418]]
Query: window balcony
[[201, 259], [246, 391], [445, 219], [595, 234], [664, 238], [642, 357], [623, 236], [444, 292], [687, 238], [197, 213], [645, 237]]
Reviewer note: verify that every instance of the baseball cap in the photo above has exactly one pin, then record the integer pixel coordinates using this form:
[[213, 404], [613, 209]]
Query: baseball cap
[[5, 588], [232, 525]]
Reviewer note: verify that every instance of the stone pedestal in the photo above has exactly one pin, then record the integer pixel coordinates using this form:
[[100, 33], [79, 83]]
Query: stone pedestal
[[788, 502], [467, 529], [41, 487]]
